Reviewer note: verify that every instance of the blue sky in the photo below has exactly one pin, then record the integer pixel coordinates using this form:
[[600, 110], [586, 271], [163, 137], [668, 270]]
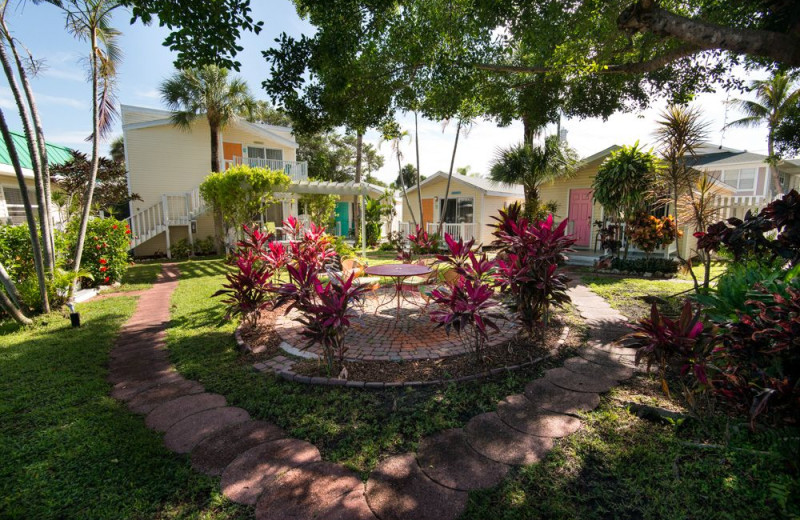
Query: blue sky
[[64, 97]]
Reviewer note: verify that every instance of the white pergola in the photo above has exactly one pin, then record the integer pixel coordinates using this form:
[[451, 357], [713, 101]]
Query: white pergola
[[342, 188]]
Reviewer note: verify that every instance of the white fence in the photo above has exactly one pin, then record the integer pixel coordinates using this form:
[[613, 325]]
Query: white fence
[[465, 231], [738, 207], [296, 170]]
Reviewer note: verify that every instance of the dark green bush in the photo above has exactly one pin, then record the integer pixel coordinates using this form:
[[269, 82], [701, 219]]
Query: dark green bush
[[181, 249], [16, 253], [645, 265], [205, 246]]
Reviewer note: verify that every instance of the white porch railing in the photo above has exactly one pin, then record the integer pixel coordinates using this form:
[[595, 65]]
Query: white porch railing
[[296, 170], [464, 231], [728, 207]]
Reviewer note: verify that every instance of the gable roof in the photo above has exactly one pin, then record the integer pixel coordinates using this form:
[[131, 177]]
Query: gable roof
[[56, 154], [165, 118], [602, 154], [727, 156], [488, 186]]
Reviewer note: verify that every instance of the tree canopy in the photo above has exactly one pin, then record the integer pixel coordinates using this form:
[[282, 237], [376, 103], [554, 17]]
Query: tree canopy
[[510, 60]]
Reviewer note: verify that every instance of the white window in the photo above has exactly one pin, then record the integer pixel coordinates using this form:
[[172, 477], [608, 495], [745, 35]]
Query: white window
[[743, 179], [259, 152], [15, 209], [459, 210]]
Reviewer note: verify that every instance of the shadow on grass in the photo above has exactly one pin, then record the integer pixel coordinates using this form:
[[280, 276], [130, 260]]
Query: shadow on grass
[[67, 449]]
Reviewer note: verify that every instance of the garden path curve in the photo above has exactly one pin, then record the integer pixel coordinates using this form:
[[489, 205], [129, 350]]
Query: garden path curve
[[286, 478]]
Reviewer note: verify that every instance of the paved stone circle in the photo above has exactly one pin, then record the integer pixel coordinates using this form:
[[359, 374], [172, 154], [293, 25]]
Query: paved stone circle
[[212, 455], [398, 489], [492, 438], [187, 433], [315, 490], [381, 336], [448, 460], [546, 396], [518, 412], [245, 478]]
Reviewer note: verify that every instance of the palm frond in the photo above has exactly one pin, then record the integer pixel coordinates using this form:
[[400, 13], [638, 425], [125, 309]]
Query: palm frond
[[106, 110]]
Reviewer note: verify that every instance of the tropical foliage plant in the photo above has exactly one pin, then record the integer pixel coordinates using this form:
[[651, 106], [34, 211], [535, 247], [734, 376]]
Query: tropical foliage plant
[[105, 252], [528, 265], [533, 166], [422, 242], [648, 232]]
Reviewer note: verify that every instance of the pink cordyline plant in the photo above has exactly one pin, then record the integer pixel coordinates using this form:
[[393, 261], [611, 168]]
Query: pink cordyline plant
[[527, 265]]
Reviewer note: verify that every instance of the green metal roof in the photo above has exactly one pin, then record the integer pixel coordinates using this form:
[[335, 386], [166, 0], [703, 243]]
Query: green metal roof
[[56, 154]]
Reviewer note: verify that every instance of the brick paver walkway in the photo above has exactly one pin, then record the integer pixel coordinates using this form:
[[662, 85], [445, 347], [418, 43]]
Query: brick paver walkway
[[285, 478], [379, 334]]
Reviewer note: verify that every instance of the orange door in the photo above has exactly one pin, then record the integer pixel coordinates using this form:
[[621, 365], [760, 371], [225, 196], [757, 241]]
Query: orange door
[[427, 212], [231, 150]]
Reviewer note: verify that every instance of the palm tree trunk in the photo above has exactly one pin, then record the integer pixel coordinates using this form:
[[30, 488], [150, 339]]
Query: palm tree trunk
[[449, 178], [88, 192], [11, 289], [405, 192], [416, 143], [777, 188], [33, 147], [8, 306], [23, 188], [215, 166], [357, 210]]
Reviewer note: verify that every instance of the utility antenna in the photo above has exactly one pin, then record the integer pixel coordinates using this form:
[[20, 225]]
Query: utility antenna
[[724, 119]]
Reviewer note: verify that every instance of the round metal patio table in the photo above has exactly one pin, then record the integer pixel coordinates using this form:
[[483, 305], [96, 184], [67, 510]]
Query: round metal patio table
[[398, 273]]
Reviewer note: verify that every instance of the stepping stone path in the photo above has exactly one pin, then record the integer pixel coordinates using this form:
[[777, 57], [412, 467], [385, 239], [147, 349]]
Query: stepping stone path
[[286, 479]]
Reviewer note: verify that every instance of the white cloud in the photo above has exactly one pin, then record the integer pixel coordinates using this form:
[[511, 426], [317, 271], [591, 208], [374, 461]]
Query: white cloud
[[73, 138], [47, 99], [148, 94]]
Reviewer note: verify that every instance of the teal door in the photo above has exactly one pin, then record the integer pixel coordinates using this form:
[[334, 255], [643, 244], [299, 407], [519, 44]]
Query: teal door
[[342, 218]]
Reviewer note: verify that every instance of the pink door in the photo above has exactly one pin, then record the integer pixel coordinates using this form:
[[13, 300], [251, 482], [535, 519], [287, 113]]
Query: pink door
[[580, 214]]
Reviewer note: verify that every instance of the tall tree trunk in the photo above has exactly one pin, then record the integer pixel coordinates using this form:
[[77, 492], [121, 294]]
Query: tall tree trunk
[[88, 192], [443, 212], [777, 187], [8, 306], [416, 143], [11, 289], [38, 150], [405, 192], [215, 164], [33, 149], [357, 216], [23, 188]]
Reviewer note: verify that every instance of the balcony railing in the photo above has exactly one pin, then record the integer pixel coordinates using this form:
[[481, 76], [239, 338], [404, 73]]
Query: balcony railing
[[464, 231], [296, 170]]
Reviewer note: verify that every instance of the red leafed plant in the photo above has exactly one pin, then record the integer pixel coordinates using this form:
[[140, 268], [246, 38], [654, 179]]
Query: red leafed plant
[[423, 243], [325, 307], [661, 340], [466, 307], [463, 260], [759, 354], [527, 266], [248, 290]]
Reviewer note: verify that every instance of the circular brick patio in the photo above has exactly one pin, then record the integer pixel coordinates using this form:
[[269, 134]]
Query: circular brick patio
[[380, 333]]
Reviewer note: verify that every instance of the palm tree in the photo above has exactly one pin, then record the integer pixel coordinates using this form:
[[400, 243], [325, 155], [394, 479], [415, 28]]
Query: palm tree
[[775, 98], [533, 166], [206, 91], [90, 20], [394, 135], [679, 133]]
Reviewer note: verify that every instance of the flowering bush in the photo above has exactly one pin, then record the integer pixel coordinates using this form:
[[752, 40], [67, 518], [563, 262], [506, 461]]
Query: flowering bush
[[527, 265], [105, 250], [648, 232]]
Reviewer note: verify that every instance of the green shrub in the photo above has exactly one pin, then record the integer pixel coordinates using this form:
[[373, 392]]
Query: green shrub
[[205, 246], [734, 287], [181, 249], [645, 265], [16, 253], [105, 250], [343, 249]]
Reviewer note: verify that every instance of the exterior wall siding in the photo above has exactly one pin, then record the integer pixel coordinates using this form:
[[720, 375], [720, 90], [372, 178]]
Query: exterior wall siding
[[436, 189], [559, 191]]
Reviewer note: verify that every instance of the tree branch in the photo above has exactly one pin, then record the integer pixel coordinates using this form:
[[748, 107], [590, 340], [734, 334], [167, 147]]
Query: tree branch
[[639, 67], [644, 16]]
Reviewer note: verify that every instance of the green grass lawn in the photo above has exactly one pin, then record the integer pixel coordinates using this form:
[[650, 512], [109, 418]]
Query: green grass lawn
[[349, 426], [625, 294], [67, 449], [620, 466]]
